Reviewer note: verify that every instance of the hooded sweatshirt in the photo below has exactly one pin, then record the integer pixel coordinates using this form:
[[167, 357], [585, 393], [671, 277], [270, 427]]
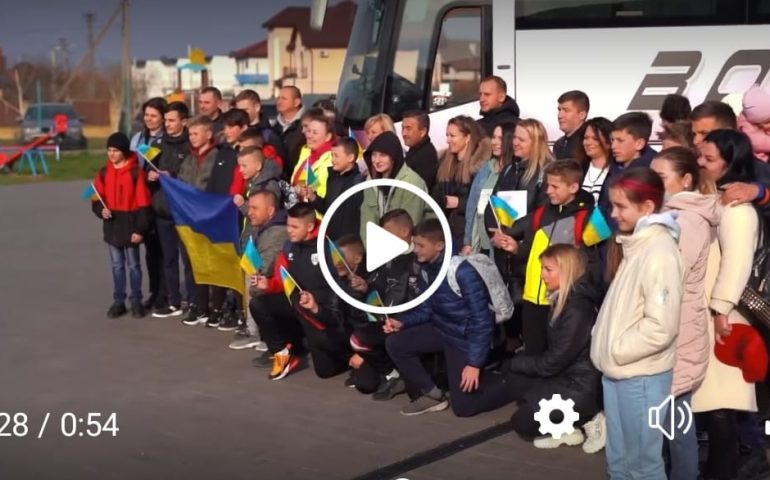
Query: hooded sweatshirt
[[125, 193], [267, 179], [379, 201], [698, 218], [637, 325], [507, 112]]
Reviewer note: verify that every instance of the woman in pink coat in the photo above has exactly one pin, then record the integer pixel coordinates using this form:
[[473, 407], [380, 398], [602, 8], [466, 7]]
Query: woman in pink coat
[[754, 121], [698, 216]]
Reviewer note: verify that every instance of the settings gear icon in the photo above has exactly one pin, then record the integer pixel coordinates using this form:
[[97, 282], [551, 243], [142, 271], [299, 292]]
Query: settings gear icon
[[566, 407]]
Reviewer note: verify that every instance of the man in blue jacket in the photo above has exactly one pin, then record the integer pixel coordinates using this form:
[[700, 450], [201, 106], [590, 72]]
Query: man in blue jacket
[[460, 326]]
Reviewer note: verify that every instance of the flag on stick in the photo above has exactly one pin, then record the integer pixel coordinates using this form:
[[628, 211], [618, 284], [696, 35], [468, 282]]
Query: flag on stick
[[251, 260], [504, 214]]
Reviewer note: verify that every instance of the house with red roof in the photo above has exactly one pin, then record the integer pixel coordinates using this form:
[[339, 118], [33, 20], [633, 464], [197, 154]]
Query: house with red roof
[[309, 59]]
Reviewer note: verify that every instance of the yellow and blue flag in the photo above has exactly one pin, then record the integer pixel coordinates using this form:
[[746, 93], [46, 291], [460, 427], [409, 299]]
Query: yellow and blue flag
[[148, 152], [374, 300], [208, 227], [596, 230], [251, 260], [337, 258], [504, 213], [90, 193], [289, 284]]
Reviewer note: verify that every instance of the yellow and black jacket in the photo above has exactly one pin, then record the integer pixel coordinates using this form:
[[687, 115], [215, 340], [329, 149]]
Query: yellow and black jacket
[[551, 225]]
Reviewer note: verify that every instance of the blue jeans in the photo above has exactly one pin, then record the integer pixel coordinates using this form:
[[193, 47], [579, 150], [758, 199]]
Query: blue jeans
[[119, 258], [634, 450], [684, 447]]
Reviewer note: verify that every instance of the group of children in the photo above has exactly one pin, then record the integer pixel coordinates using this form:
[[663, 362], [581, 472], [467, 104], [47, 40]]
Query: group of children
[[616, 324]]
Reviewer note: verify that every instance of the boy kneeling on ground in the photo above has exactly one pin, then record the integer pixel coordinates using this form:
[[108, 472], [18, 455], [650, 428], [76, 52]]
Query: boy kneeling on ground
[[460, 325]]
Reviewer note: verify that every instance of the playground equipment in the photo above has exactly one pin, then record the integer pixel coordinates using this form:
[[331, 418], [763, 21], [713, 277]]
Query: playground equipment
[[32, 149]]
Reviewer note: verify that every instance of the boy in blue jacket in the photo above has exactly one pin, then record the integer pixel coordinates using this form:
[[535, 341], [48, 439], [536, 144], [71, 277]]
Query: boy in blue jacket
[[460, 326]]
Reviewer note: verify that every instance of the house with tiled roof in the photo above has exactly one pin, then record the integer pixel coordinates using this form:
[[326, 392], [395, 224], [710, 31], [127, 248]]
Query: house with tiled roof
[[309, 59]]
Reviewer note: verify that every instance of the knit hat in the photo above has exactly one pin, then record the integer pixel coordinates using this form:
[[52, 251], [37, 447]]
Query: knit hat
[[121, 142], [756, 105], [744, 348]]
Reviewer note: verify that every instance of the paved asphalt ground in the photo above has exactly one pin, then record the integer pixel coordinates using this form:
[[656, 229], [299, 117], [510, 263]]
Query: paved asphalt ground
[[186, 405]]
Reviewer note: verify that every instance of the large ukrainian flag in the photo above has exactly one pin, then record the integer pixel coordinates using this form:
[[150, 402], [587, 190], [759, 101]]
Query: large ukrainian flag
[[208, 226]]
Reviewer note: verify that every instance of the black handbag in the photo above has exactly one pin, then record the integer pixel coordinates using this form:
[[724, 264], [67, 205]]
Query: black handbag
[[754, 303]]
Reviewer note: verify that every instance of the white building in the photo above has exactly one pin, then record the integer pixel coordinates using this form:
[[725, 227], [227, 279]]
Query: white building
[[165, 75]]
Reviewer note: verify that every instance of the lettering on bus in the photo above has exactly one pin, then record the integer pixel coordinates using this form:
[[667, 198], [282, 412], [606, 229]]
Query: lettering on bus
[[691, 60]]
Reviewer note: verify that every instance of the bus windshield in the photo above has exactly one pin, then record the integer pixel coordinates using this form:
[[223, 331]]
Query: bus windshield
[[359, 95]]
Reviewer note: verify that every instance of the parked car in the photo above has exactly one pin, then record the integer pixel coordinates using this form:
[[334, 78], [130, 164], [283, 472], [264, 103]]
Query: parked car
[[45, 112]]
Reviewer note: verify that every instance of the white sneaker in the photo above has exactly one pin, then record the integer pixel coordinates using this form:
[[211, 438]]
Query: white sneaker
[[596, 434], [572, 439]]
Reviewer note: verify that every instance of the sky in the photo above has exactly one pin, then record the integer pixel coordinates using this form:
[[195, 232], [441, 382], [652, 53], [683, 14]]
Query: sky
[[31, 28]]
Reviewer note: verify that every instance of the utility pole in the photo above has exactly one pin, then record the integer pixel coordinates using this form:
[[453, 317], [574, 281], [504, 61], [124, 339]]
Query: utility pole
[[127, 107], [90, 62], [90, 30]]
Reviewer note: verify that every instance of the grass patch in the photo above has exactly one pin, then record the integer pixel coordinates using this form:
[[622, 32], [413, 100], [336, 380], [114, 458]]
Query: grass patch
[[72, 166]]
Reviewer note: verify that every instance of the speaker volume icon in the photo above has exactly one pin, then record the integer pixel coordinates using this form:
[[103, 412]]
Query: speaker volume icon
[[679, 418]]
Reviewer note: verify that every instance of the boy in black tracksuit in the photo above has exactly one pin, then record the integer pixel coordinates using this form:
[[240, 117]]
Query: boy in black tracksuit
[[225, 180], [174, 148], [316, 307], [343, 175]]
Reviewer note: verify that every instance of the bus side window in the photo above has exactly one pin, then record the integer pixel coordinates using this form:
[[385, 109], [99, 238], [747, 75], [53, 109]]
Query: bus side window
[[458, 65]]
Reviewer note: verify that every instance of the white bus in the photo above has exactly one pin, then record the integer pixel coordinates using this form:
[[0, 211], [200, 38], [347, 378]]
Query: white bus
[[626, 55]]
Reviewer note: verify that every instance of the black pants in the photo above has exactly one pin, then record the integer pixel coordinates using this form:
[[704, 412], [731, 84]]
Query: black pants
[[170, 248], [210, 298], [405, 349], [153, 260], [377, 364], [372, 337], [277, 322], [534, 330], [329, 348], [366, 379], [724, 439]]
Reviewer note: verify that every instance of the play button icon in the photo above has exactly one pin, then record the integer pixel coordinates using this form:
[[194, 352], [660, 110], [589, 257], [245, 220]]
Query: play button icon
[[382, 246]]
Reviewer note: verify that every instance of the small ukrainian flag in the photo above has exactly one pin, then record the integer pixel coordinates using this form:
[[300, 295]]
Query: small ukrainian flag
[[504, 213], [597, 230], [251, 260]]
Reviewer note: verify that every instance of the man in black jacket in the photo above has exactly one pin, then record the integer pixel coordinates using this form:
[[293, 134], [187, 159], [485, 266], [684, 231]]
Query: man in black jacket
[[422, 156], [248, 100], [573, 111], [174, 147], [288, 125], [496, 106]]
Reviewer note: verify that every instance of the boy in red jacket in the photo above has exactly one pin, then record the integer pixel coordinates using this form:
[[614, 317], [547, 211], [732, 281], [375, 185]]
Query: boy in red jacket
[[125, 215]]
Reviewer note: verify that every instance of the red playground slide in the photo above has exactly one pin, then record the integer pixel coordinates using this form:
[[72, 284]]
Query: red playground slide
[[60, 129]]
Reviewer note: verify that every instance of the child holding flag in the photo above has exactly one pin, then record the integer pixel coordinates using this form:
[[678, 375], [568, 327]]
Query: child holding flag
[[297, 275], [342, 175], [122, 201], [563, 220]]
